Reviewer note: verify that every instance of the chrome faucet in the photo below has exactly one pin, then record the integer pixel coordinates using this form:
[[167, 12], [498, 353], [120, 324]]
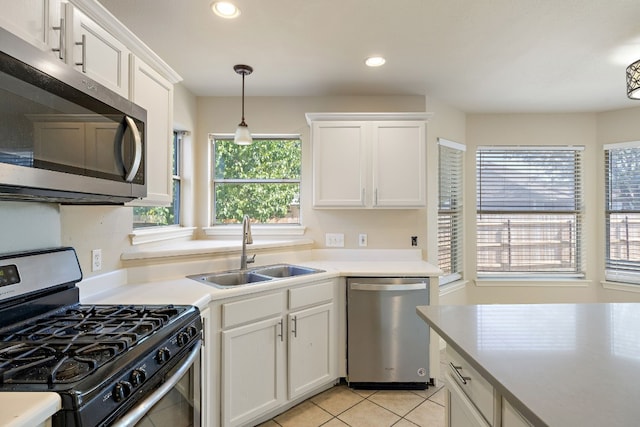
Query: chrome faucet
[[246, 240]]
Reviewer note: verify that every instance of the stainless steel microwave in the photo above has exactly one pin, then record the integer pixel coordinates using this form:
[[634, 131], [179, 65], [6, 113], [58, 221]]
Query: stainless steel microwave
[[63, 137]]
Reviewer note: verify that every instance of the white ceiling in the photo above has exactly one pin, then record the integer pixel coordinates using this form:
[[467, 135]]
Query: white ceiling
[[475, 55]]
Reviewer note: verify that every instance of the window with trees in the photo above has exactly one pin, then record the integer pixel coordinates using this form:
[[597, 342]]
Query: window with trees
[[529, 211], [261, 180], [153, 216], [622, 212], [450, 196]]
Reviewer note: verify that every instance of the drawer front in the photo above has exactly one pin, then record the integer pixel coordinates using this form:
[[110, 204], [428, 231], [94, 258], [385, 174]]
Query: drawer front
[[479, 391], [252, 309], [310, 295]]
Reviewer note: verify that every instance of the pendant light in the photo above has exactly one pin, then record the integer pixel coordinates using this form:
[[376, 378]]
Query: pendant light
[[243, 136], [633, 80]]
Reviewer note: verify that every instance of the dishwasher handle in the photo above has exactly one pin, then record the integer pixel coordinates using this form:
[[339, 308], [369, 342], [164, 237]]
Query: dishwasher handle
[[377, 287]]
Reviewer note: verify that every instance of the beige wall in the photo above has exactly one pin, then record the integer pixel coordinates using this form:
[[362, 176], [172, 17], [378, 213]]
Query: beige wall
[[285, 115]]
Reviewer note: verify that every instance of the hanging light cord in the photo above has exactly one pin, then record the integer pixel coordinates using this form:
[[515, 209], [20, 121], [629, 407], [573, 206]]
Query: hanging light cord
[[242, 122]]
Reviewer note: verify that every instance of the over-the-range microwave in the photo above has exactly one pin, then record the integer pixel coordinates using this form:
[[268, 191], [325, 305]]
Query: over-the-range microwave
[[64, 137]]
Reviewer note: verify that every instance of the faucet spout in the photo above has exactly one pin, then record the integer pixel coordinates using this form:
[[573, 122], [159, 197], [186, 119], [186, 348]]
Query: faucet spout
[[246, 240]]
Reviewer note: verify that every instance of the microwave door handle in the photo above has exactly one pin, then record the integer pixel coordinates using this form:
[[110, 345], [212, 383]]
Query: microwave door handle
[[137, 157], [136, 413]]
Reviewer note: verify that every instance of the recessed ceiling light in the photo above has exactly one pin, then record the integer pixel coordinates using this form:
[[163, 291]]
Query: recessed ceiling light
[[375, 61], [225, 9]]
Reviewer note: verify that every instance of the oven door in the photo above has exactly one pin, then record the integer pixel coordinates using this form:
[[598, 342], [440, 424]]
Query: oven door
[[176, 403]]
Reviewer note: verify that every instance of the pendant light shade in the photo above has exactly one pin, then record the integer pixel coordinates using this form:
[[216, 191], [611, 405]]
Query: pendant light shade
[[633, 80], [243, 136]]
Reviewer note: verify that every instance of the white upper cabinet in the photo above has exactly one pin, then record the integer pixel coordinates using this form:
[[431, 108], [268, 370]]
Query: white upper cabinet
[[154, 93], [369, 160], [40, 22], [97, 53]]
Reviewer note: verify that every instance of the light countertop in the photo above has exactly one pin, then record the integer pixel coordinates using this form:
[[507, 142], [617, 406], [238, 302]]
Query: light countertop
[[27, 408], [558, 364]]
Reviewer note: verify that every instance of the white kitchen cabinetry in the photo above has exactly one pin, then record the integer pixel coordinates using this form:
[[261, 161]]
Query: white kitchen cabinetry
[[365, 160], [36, 21], [471, 399], [154, 93], [511, 417], [97, 53], [257, 369]]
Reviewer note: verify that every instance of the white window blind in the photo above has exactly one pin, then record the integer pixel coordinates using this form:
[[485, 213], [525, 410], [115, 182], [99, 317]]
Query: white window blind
[[529, 211], [622, 212], [450, 182]]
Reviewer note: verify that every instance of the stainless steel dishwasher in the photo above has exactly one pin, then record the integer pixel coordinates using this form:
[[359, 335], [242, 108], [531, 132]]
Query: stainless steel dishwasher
[[387, 343]]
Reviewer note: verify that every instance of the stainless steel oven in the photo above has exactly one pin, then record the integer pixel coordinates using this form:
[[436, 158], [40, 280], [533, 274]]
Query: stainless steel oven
[[120, 365], [176, 403]]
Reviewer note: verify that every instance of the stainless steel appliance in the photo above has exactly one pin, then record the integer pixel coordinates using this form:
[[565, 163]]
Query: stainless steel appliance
[[387, 344], [118, 365], [64, 137]]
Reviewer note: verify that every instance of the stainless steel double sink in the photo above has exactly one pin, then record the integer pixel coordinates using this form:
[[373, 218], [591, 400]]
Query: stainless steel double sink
[[231, 278]]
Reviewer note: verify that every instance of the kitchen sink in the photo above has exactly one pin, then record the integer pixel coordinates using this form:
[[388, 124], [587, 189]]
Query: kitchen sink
[[285, 270], [230, 278], [227, 279]]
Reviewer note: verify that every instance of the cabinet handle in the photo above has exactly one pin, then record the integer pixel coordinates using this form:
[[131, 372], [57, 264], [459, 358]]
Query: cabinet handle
[[294, 330], [281, 334], [83, 43], [458, 374], [60, 49]]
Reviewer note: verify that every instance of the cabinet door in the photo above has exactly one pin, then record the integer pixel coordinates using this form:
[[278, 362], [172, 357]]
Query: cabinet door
[[511, 417], [311, 362], [460, 411], [33, 21], [252, 371], [155, 94], [339, 164], [97, 53], [399, 164]]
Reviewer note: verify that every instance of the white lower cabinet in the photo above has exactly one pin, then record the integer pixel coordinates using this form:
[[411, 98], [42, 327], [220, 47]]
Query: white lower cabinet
[[511, 417], [275, 347]]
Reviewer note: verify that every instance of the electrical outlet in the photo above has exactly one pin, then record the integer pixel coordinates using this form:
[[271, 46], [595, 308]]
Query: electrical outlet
[[96, 260], [362, 240], [414, 240], [334, 240]]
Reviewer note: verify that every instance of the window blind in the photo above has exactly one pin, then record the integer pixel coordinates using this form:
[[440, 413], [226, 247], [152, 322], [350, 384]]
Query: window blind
[[450, 203], [622, 212], [529, 211]]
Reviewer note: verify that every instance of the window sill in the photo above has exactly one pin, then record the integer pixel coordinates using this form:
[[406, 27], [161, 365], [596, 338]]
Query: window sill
[[579, 283], [618, 286], [451, 287], [256, 230], [158, 234]]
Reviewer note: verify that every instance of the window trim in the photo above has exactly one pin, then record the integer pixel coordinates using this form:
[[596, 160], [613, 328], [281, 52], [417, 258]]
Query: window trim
[[258, 229]]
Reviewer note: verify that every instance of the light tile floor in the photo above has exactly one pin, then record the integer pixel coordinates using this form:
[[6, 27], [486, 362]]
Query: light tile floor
[[342, 406]]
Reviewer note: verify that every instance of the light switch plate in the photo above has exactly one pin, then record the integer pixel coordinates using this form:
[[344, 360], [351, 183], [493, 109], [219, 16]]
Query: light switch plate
[[362, 239], [334, 240]]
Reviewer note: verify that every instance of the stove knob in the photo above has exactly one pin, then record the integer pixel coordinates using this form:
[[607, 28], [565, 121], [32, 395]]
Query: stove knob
[[121, 391], [192, 331], [163, 355], [137, 377], [183, 339]]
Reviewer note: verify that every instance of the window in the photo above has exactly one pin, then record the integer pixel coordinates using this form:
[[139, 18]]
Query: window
[[450, 236], [622, 212], [152, 216], [261, 180], [529, 211]]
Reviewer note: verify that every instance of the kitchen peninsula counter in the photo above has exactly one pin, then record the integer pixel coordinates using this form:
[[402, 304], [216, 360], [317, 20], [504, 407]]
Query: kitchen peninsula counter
[[557, 364]]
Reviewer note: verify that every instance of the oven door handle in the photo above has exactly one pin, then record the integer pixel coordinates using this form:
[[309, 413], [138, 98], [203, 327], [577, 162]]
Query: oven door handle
[[136, 413]]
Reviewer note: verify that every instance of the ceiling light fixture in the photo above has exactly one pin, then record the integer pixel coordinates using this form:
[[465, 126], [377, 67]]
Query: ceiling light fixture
[[375, 61], [243, 136], [225, 9], [633, 80]]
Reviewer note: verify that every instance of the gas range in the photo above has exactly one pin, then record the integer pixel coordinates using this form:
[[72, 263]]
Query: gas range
[[102, 359]]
